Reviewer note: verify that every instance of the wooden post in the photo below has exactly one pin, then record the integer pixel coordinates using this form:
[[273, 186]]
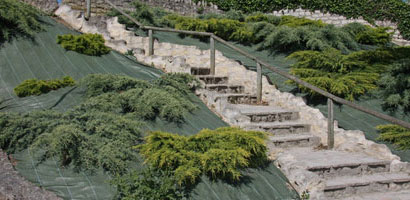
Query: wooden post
[[258, 82], [151, 43], [212, 49], [88, 11], [330, 124]]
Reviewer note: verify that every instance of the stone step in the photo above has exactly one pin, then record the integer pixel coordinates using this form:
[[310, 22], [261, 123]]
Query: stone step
[[225, 88], [294, 140], [211, 79], [329, 163], [259, 113], [350, 186], [237, 99], [291, 127], [200, 71], [400, 195]]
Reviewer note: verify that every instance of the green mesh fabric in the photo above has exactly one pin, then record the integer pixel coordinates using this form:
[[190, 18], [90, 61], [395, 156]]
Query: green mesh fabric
[[44, 59]]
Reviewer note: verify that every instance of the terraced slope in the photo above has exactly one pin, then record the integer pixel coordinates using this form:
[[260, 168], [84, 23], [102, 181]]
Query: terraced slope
[[44, 59]]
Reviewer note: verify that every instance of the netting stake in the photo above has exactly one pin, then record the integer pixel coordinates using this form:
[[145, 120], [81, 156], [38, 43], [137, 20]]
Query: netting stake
[[88, 12], [258, 82], [330, 124], [151, 43], [212, 49]]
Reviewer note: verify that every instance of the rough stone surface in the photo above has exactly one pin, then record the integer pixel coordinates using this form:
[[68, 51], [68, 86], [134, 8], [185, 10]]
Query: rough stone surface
[[178, 58], [15, 187], [184, 7], [48, 6]]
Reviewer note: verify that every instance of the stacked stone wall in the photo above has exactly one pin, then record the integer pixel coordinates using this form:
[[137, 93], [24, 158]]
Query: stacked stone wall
[[48, 6], [184, 7]]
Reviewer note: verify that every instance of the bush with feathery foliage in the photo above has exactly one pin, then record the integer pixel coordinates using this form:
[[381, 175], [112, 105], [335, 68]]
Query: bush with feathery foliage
[[100, 132], [395, 87], [221, 153], [18, 19], [88, 44], [37, 87], [365, 34], [395, 134], [347, 76]]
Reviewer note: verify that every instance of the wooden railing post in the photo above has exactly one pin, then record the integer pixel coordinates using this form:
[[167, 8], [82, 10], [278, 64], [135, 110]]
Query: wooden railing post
[[258, 82], [212, 49], [151, 43], [88, 11], [330, 124]]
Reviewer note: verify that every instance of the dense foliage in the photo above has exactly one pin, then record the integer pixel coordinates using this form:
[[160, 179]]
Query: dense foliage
[[395, 87], [367, 35], [37, 87], [221, 153], [149, 184], [18, 19], [347, 76], [393, 10], [100, 132], [395, 134], [88, 44]]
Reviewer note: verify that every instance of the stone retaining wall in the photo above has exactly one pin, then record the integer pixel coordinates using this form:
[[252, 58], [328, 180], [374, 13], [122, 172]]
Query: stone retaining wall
[[184, 7], [48, 6], [339, 20]]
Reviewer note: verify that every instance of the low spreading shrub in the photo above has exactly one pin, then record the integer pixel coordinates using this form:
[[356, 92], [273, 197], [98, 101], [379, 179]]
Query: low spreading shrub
[[88, 44], [100, 132], [150, 184], [37, 87], [347, 76], [395, 134], [18, 19], [365, 34], [395, 87], [221, 153], [292, 21]]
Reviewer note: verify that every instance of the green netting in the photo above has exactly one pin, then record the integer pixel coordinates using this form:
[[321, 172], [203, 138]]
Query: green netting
[[44, 59], [347, 117]]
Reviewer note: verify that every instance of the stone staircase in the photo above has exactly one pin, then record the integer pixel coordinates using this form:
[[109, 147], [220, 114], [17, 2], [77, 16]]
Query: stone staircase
[[338, 174], [356, 169]]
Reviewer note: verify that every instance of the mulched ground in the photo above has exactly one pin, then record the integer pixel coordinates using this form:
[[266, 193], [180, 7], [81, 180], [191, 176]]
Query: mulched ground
[[15, 187]]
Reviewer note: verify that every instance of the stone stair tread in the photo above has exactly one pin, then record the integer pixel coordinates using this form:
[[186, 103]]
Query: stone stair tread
[[260, 109], [331, 158], [387, 195], [276, 124], [211, 76], [352, 181], [290, 137], [223, 84]]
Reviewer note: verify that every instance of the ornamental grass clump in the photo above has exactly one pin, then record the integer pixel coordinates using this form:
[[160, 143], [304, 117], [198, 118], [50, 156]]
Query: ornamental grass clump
[[37, 87], [88, 44], [395, 134], [220, 153]]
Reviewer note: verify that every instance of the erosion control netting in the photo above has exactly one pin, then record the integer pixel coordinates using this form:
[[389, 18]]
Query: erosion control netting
[[44, 59], [348, 118]]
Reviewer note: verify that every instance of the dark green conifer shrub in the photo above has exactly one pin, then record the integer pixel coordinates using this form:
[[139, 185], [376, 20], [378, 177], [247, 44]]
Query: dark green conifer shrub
[[395, 87], [367, 35], [18, 19], [346, 76], [292, 21], [88, 44], [221, 153], [395, 134], [150, 184], [37, 87]]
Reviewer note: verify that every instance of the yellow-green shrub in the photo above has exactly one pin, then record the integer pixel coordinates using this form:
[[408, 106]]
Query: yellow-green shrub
[[37, 87], [220, 153], [88, 44]]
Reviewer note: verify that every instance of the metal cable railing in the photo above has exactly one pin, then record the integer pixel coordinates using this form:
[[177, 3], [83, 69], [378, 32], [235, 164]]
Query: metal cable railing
[[331, 98]]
